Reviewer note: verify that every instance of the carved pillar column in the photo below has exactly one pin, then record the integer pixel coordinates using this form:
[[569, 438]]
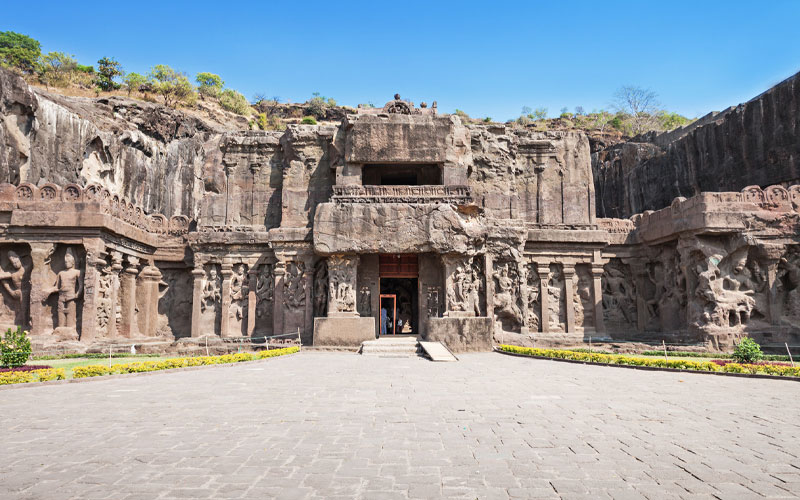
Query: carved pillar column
[[279, 273], [640, 278], [597, 297], [148, 321], [198, 277], [488, 273], [308, 321], [543, 269], [569, 297], [522, 272], [252, 299], [114, 295], [41, 280], [225, 319], [91, 281], [128, 325]]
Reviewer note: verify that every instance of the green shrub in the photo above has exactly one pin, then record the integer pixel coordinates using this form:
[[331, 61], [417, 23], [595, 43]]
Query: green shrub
[[748, 351], [308, 120], [15, 348], [234, 102]]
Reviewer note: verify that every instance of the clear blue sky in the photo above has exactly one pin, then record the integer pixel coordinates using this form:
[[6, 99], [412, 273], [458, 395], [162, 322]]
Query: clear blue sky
[[488, 58]]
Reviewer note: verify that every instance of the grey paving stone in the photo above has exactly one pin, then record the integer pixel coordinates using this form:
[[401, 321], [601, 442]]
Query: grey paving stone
[[338, 425]]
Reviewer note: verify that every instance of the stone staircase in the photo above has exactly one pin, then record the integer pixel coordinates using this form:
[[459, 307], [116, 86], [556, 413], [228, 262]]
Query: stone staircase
[[390, 347]]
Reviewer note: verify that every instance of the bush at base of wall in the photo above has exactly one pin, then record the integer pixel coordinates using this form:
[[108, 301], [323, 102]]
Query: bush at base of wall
[[166, 364], [616, 359], [24, 376]]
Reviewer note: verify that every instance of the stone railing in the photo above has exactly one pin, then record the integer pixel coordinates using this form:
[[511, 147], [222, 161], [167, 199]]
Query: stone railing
[[113, 205], [457, 195]]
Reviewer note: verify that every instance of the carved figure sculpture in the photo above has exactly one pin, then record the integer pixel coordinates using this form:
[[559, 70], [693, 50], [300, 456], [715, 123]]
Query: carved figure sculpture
[[476, 285], [433, 302], [506, 295], [321, 288], [69, 287], [239, 291], [12, 283], [294, 286], [341, 275], [555, 291], [458, 293], [211, 295], [365, 301], [582, 297], [534, 303], [265, 291], [619, 305], [105, 307]]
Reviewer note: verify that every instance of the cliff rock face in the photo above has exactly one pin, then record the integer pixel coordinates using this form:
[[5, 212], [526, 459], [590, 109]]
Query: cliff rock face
[[755, 143], [142, 151]]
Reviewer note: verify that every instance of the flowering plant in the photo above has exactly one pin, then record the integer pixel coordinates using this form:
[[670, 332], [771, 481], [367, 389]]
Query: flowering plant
[[15, 347]]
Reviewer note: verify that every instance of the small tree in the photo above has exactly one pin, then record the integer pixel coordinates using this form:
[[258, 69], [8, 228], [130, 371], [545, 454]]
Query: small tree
[[209, 84], [57, 68], [19, 51], [538, 114], [107, 70], [747, 351], [640, 104], [173, 86], [133, 82], [15, 348]]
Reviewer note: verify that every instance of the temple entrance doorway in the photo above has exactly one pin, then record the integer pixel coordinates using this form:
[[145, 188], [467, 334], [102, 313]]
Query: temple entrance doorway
[[399, 294]]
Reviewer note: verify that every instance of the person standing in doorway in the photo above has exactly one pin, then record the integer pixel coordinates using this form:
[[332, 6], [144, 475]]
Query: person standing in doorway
[[384, 318]]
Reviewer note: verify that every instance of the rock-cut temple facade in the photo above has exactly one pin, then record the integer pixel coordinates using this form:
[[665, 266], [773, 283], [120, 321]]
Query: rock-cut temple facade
[[399, 220]]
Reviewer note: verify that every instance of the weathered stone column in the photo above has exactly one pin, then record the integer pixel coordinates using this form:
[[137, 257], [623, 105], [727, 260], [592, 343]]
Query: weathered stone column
[[569, 296], [128, 324], [148, 322], [198, 276], [41, 281], [543, 269], [279, 274], [597, 297], [640, 276], [225, 319], [342, 285], [114, 295], [522, 272], [252, 299], [91, 281], [488, 274]]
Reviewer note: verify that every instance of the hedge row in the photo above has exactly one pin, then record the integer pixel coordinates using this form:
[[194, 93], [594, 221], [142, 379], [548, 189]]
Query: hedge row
[[166, 364], [22, 377], [618, 359]]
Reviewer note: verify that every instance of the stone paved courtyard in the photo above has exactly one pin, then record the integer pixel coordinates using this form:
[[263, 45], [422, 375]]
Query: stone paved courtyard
[[338, 425]]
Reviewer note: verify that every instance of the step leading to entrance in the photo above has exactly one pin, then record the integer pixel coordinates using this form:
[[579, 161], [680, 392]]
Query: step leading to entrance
[[391, 347]]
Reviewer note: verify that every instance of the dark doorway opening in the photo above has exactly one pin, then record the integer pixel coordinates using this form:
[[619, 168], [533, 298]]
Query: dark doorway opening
[[399, 298], [401, 175]]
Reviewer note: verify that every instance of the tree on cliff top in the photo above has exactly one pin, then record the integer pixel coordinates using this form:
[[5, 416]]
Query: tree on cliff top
[[19, 51], [107, 70], [209, 84], [57, 68], [173, 86], [640, 104]]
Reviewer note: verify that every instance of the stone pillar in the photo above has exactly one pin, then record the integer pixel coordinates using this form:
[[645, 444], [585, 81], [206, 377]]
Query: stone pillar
[[91, 283], [128, 325], [522, 272], [639, 271], [148, 313], [597, 297], [279, 273], [543, 269], [225, 319], [252, 299], [114, 295], [308, 319], [342, 286], [198, 276], [488, 272], [41, 281], [569, 297]]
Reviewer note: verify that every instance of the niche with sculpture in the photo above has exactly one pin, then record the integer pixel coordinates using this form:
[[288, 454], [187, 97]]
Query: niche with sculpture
[[15, 286], [533, 318], [556, 299], [465, 287], [320, 290], [582, 300], [211, 299], [508, 296], [65, 296], [175, 303], [265, 296], [619, 297], [239, 290]]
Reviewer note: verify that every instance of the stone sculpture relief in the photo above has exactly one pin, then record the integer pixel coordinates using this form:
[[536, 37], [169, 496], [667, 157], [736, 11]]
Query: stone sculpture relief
[[619, 297], [432, 301], [321, 288], [341, 281], [238, 306], [69, 287], [106, 305], [557, 315], [175, 303], [507, 296], [16, 287], [211, 295], [365, 301], [788, 284], [265, 291], [294, 286], [533, 318], [582, 297], [465, 287]]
